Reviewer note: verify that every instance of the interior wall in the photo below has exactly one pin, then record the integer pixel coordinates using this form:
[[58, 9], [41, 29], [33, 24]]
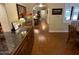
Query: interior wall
[[3, 19], [11, 12], [29, 7], [56, 22], [23, 4]]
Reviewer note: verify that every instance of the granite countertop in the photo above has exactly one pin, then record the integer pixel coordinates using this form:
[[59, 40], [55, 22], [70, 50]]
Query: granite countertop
[[11, 40]]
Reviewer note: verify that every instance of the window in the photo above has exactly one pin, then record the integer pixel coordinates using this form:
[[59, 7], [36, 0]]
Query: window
[[75, 13], [67, 14], [72, 13]]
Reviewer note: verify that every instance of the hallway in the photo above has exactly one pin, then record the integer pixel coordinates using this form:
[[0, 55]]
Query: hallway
[[47, 43]]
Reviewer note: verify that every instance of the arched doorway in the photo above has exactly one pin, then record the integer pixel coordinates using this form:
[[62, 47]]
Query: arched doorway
[[42, 8]]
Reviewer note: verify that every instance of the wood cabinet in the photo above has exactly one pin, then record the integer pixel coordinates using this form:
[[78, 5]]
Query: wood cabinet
[[25, 47], [1, 31]]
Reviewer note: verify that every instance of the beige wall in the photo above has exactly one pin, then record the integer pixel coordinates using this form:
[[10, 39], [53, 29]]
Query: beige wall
[[56, 22], [3, 19], [11, 12], [29, 7]]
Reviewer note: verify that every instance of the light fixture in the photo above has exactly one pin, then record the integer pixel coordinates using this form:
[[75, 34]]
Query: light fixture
[[41, 5]]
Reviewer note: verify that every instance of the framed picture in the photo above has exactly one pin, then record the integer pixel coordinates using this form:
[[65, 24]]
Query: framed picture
[[21, 10], [57, 11]]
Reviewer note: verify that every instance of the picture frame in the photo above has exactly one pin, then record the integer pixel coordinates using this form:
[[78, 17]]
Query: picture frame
[[57, 11], [21, 10]]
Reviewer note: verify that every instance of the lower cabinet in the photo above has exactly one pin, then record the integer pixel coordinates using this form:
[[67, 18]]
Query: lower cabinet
[[25, 47]]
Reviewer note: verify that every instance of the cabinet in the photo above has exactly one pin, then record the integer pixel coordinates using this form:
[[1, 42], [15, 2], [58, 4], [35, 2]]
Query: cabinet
[[25, 47]]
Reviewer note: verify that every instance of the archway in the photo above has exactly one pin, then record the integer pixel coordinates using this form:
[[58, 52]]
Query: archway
[[43, 9]]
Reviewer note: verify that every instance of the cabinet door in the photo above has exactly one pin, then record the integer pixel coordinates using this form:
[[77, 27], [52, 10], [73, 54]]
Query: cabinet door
[[26, 46], [22, 49], [30, 42]]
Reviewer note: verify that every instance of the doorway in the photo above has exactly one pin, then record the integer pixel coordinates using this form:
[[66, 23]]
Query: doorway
[[42, 10]]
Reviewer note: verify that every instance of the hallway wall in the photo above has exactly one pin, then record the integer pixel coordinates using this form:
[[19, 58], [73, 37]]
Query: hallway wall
[[29, 6], [3, 19], [12, 11], [56, 22]]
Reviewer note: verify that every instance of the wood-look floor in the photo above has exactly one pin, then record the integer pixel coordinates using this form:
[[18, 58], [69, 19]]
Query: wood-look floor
[[47, 43]]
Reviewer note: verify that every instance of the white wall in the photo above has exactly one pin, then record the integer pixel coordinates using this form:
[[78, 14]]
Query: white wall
[[43, 14], [11, 12], [56, 22], [3, 19]]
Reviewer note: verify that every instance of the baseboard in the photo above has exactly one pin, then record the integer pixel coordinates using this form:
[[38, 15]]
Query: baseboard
[[58, 31]]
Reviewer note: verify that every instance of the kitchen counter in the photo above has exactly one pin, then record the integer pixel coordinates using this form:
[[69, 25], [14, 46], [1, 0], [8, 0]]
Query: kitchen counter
[[12, 40]]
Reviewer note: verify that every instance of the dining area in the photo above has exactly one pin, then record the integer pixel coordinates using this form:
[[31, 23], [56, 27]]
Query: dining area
[[73, 34]]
